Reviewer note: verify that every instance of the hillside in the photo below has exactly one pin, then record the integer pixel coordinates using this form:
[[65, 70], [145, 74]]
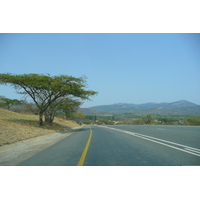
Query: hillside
[[90, 111], [182, 106], [16, 126]]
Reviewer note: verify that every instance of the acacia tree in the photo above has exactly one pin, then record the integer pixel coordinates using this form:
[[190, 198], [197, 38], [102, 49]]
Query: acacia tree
[[45, 90], [69, 106], [10, 102], [66, 105], [50, 112], [78, 116]]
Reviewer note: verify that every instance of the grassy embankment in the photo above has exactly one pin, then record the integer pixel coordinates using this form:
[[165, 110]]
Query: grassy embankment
[[15, 126]]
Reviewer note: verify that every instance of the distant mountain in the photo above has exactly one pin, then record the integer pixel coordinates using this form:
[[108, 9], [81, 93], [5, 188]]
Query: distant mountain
[[173, 105], [182, 106]]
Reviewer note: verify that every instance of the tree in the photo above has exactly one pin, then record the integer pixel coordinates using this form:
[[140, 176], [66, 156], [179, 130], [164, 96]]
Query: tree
[[138, 121], [69, 106], [78, 116], [148, 119], [45, 90], [66, 105], [10, 102], [50, 112]]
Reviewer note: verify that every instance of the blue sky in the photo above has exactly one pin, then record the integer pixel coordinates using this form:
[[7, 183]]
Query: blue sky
[[129, 68]]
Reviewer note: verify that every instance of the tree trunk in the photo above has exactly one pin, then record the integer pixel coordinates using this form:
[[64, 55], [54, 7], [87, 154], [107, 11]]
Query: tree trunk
[[40, 118], [49, 116], [51, 119], [46, 116]]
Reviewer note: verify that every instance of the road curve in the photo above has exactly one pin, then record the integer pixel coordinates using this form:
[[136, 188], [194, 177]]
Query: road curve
[[124, 146]]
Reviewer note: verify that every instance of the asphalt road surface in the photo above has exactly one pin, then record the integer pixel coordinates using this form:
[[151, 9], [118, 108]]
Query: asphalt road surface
[[124, 146]]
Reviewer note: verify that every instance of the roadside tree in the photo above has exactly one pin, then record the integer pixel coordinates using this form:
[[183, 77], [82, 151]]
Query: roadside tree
[[10, 102], [69, 106], [66, 105], [78, 116], [148, 119], [45, 90]]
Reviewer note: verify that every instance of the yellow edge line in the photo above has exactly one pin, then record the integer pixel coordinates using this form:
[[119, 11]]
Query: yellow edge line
[[82, 159]]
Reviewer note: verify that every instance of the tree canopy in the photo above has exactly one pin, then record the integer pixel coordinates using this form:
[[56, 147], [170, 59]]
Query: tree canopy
[[10, 102], [46, 89], [148, 119]]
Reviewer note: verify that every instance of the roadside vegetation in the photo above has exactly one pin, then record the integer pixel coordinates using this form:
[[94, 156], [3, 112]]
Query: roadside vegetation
[[132, 119], [49, 94], [53, 107], [193, 121], [19, 126]]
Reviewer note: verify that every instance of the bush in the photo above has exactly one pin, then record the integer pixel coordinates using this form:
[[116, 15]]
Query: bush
[[193, 121], [168, 121], [138, 122]]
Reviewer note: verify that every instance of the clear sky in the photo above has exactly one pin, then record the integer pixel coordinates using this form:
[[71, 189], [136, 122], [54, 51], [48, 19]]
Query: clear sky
[[122, 68]]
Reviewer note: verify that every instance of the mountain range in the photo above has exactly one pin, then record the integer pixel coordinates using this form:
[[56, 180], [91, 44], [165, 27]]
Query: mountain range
[[182, 107]]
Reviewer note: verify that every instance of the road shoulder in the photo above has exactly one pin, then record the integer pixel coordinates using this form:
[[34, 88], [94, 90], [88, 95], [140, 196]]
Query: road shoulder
[[12, 154]]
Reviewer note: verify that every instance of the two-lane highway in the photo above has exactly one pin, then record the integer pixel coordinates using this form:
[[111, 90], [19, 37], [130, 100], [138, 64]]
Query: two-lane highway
[[124, 146]]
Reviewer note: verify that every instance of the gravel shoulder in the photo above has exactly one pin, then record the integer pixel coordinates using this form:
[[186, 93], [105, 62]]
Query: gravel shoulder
[[12, 154]]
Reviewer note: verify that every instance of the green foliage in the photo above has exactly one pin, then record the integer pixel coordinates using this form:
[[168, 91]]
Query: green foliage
[[105, 122], [167, 121], [10, 102], [148, 119], [68, 106], [100, 120], [86, 121], [90, 117], [46, 90], [156, 119], [138, 122], [194, 121], [78, 116]]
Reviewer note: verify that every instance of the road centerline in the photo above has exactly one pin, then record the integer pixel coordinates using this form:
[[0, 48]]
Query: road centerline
[[83, 156]]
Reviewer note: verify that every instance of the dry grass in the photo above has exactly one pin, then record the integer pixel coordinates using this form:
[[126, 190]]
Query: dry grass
[[15, 126]]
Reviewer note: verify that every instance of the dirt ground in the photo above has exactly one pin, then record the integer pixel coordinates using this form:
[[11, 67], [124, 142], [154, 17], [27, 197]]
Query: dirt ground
[[15, 127]]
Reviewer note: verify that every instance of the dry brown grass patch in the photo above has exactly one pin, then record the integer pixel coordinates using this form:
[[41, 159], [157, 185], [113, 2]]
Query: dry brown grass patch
[[15, 126]]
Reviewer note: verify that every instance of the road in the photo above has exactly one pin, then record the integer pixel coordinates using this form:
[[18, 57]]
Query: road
[[124, 146]]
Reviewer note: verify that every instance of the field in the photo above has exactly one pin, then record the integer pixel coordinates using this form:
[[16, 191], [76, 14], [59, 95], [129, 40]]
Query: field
[[15, 126]]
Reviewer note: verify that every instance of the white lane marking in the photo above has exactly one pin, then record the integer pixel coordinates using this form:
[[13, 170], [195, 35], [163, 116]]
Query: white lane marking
[[193, 149], [154, 140], [196, 151], [132, 133], [184, 150]]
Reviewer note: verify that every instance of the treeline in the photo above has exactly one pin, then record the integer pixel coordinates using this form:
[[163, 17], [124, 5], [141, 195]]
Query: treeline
[[100, 120], [8, 103], [193, 121], [143, 120], [69, 111], [50, 94]]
